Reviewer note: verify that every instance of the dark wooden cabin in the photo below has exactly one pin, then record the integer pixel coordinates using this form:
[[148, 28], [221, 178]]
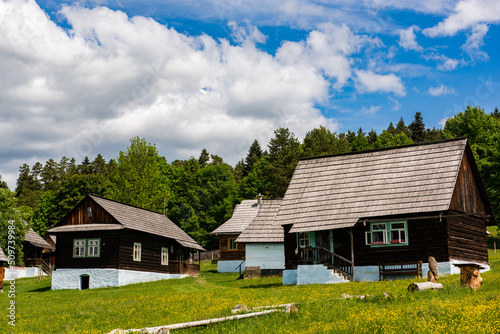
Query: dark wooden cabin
[[231, 253], [355, 211], [3, 263], [99, 233], [33, 249]]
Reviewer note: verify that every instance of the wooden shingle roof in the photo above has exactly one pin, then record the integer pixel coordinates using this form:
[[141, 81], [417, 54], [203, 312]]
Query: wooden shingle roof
[[244, 213], [33, 238], [134, 218], [336, 191], [263, 228]]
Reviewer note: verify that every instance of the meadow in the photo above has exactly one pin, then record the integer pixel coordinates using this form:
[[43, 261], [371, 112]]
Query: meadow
[[321, 309]]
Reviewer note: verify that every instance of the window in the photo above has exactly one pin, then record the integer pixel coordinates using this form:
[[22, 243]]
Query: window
[[79, 248], [304, 239], [164, 256], [384, 234], [86, 247], [137, 251], [93, 248], [231, 244], [89, 212]]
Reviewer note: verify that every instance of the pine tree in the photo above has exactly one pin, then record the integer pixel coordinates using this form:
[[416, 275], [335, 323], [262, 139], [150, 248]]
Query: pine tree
[[254, 155], [401, 127], [204, 158], [417, 128]]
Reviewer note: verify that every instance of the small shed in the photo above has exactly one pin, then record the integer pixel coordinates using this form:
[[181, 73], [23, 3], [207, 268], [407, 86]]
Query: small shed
[[102, 243], [263, 240], [348, 213], [231, 253]]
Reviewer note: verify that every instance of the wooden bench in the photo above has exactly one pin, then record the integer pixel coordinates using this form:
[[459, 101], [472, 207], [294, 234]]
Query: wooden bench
[[393, 269]]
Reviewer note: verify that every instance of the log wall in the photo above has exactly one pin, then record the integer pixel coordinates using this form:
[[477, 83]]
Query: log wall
[[226, 254], [467, 238]]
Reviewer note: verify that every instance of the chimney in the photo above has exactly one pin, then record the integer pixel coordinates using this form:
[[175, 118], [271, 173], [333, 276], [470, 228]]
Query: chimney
[[259, 199]]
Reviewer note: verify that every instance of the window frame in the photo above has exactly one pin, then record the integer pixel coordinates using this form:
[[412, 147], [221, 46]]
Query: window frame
[[98, 247], [229, 243], [89, 212], [80, 247], [164, 253], [136, 251], [387, 233], [304, 239]]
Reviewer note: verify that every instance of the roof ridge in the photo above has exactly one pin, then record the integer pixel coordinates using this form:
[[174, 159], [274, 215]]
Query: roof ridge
[[122, 203], [385, 148]]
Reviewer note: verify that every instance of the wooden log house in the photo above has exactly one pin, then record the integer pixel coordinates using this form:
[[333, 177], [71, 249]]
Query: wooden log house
[[344, 215], [263, 239], [3, 263], [33, 248], [231, 253], [101, 243]]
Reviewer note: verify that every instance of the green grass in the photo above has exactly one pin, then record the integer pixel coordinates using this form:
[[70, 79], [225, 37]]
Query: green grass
[[451, 310]]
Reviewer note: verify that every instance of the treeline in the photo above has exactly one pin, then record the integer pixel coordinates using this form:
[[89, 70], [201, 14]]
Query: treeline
[[199, 194]]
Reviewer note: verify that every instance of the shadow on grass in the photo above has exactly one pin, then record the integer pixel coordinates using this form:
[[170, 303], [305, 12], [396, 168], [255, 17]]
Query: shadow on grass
[[45, 289]]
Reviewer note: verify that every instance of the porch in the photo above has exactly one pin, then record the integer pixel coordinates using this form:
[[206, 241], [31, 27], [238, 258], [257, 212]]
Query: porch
[[184, 268]]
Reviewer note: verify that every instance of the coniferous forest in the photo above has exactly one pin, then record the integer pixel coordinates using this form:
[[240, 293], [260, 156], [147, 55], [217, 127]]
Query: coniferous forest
[[200, 193]]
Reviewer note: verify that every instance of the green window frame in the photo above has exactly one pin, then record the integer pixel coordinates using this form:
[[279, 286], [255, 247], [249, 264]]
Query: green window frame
[[231, 244], [137, 250], [86, 248], [164, 256], [79, 247], [94, 247], [383, 234]]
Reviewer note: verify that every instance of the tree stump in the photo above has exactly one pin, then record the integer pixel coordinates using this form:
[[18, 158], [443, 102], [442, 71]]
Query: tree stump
[[432, 274], [470, 275]]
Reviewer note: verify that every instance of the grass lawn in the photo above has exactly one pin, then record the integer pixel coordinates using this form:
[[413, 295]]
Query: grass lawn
[[451, 310]]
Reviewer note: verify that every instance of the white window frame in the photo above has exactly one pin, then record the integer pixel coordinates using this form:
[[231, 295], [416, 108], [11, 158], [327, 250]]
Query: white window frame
[[94, 247], [304, 239], [387, 231], [136, 251], [82, 248], [164, 256]]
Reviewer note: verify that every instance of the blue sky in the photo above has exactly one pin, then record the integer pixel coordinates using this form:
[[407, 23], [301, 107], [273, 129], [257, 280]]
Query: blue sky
[[83, 78]]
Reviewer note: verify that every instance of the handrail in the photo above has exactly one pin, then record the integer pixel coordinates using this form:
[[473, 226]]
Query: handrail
[[240, 266], [320, 255]]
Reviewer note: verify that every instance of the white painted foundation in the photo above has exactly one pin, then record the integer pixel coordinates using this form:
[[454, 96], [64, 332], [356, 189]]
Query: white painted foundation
[[265, 255], [103, 278], [21, 272], [230, 266], [314, 274]]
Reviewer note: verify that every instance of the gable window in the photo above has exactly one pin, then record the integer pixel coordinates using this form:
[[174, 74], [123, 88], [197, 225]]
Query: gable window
[[137, 251], [164, 256], [304, 239], [79, 246], [89, 212], [390, 233], [231, 243], [86, 247]]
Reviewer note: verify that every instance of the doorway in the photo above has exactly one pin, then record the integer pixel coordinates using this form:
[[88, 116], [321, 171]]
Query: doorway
[[84, 282]]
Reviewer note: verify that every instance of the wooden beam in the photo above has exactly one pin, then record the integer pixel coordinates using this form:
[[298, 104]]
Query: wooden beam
[[352, 252]]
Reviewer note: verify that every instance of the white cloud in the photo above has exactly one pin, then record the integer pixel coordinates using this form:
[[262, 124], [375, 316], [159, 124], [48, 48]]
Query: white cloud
[[396, 105], [372, 110], [443, 63], [441, 90], [466, 14], [369, 82], [111, 77], [408, 39], [475, 41]]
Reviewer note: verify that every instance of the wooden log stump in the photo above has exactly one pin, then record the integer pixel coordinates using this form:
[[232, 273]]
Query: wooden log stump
[[470, 275], [424, 286]]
